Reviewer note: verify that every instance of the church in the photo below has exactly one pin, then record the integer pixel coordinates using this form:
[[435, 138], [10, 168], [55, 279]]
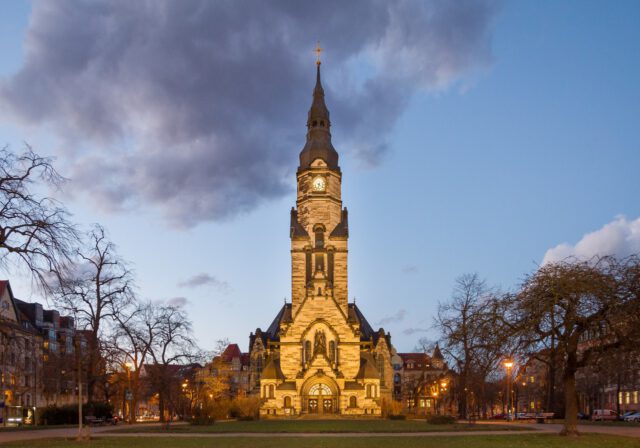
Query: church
[[320, 355]]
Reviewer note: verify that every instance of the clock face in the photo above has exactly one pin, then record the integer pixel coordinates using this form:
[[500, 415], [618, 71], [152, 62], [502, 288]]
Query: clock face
[[319, 184]]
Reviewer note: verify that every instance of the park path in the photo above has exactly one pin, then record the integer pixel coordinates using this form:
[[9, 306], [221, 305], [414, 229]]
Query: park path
[[65, 433], [102, 431], [627, 431]]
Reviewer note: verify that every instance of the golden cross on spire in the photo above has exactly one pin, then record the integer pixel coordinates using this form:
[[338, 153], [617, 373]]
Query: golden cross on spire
[[317, 51]]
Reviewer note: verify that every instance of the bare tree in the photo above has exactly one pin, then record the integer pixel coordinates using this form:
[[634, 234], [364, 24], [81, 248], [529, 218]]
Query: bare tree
[[471, 336], [130, 345], [172, 348], [586, 307], [97, 289], [35, 232]]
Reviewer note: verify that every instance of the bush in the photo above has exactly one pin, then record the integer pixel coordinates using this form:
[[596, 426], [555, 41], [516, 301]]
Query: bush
[[245, 408], [397, 417], [441, 419], [68, 414], [202, 417], [391, 407]]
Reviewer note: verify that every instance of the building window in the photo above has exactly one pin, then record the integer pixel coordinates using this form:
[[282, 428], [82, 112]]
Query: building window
[[396, 378], [380, 362], [627, 398], [332, 351], [371, 391], [635, 397], [319, 238], [353, 402], [320, 262], [287, 402], [320, 389], [619, 397]]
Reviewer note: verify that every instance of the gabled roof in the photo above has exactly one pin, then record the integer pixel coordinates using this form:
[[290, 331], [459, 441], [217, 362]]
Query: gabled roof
[[437, 354], [296, 231], [272, 370], [232, 351], [342, 229], [368, 368], [283, 316], [415, 361], [366, 332]]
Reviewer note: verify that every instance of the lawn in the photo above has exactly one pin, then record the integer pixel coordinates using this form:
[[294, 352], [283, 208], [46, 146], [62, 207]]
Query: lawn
[[329, 426], [479, 441]]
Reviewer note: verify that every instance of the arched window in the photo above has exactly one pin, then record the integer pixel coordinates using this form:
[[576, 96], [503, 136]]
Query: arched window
[[271, 390], [319, 237], [320, 389], [332, 351], [287, 402], [380, 362], [353, 401]]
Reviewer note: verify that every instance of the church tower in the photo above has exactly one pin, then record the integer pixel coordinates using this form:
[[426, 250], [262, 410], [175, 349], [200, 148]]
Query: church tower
[[320, 355], [319, 225]]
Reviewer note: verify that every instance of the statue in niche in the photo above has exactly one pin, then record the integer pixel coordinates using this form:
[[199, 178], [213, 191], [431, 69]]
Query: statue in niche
[[320, 343]]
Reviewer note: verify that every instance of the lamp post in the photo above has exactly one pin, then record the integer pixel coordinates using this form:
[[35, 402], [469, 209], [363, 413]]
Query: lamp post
[[443, 389], [508, 364]]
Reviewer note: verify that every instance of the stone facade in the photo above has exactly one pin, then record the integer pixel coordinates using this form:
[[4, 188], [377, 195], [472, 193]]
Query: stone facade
[[320, 355]]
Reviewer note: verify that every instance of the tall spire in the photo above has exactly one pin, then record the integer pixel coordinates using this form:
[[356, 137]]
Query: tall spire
[[318, 124]]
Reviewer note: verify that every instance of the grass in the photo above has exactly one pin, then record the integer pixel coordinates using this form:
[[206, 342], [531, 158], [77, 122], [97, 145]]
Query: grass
[[328, 426], [478, 441], [33, 428]]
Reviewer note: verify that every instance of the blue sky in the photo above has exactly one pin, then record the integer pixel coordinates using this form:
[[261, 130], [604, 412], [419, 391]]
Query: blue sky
[[532, 144]]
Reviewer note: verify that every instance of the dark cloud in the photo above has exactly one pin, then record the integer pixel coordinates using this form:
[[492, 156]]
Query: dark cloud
[[204, 280], [199, 107], [397, 317], [410, 269], [410, 331], [179, 302]]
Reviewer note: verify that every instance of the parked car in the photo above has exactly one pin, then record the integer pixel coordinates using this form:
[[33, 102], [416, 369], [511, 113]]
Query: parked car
[[635, 417], [604, 414], [582, 416], [626, 414], [498, 417]]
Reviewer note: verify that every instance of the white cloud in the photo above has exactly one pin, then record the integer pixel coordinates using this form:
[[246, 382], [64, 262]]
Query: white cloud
[[620, 237]]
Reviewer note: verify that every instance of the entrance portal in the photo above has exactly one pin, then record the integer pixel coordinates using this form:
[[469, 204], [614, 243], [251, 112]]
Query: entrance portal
[[321, 400]]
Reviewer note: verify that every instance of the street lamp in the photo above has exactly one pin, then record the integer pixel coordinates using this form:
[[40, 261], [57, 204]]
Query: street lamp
[[508, 364], [443, 388]]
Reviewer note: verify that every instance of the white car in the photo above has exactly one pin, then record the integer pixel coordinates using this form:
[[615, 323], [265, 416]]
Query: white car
[[635, 417], [604, 414]]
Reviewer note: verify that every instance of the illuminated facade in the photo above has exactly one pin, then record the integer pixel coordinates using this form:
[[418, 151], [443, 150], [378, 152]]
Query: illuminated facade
[[320, 355]]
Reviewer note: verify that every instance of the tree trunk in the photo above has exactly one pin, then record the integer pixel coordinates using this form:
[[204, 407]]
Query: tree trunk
[[570, 397]]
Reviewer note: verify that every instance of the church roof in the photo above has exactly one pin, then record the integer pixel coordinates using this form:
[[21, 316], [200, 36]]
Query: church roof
[[283, 316], [232, 351], [437, 354], [353, 385], [318, 145], [342, 229], [368, 368], [272, 370], [296, 230], [355, 315]]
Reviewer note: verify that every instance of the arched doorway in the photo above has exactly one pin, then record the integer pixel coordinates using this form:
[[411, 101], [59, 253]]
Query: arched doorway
[[320, 399]]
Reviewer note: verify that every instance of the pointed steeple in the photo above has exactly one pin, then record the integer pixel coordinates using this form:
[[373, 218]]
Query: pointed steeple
[[318, 144]]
